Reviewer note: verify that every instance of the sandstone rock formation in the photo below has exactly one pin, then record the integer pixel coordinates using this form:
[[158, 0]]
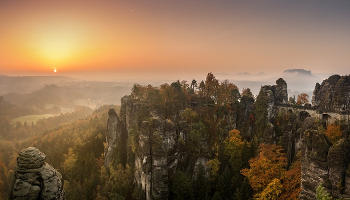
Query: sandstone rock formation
[[35, 179], [314, 168], [156, 138], [275, 95], [116, 138], [333, 94], [323, 163], [155, 155], [270, 96]]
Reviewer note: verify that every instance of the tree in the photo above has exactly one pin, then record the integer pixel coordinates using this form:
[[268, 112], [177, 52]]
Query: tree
[[211, 87], [268, 165], [272, 191], [291, 182], [214, 166], [303, 99], [181, 186], [228, 93], [233, 148], [333, 132], [118, 183], [322, 194], [261, 113]]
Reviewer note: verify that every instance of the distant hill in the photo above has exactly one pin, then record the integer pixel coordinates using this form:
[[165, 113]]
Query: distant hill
[[28, 84]]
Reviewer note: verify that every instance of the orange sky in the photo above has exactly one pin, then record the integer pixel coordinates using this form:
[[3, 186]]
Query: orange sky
[[173, 36]]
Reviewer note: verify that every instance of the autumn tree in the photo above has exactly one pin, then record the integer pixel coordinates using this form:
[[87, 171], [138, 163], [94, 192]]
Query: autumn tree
[[228, 93], [117, 183], [291, 182], [303, 99], [233, 156], [333, 132], [272, 191], [268, 165]]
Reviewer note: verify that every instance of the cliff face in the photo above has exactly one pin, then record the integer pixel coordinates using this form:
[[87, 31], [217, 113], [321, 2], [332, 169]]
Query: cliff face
[[314, 165], [149, 135], [269, 97], [326, 164], [155, 140], [35, 179], [333, 94], [116, 138]]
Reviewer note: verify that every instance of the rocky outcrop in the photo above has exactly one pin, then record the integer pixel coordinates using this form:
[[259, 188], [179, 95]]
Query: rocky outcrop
[[36, 179], [116, 138], [151, 162], [333, 95], [323, 163], [266, 108], [155, 140], [314, 167], [338, 159], [155, 152], [274, 95]]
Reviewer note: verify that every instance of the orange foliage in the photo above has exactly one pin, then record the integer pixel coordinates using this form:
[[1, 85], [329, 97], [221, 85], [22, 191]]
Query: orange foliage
[[268, 165], [235, 137], [291, 182], [303, 98], [333, 132]]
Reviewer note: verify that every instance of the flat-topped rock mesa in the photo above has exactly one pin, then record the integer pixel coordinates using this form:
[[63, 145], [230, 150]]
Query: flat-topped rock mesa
[[35, 179]]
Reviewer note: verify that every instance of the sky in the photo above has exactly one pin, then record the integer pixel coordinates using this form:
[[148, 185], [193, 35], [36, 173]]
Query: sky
[[157, 38]]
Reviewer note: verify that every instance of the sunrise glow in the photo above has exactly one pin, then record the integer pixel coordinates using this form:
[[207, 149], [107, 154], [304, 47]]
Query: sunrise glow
[[187, 36]]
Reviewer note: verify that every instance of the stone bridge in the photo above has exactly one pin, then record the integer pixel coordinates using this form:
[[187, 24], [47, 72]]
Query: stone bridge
[[329, 117]]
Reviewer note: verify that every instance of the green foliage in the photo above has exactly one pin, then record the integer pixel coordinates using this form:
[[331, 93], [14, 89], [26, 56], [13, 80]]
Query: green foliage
[[117, 183], [322, 194], [261, 115], [181, 186]]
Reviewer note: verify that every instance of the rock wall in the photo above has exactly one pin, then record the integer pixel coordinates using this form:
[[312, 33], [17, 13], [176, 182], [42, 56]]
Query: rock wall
[[155, 156], [323, 163], [116, 139], [35, 179], [155, 140], [272, 95], [333, 94]]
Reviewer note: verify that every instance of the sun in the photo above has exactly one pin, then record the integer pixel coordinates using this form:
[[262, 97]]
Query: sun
[[55, 70]]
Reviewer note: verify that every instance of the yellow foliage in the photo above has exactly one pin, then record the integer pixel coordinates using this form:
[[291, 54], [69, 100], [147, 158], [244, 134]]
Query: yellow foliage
[[235, 137], [268, 165], [214, 166], [272, 191], [69, 161]]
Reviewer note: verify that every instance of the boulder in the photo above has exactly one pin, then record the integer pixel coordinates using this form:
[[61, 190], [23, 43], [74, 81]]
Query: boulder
[[36, 179]]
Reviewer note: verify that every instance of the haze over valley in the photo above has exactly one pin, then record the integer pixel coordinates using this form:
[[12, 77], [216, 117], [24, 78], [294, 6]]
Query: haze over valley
[[174, 100]]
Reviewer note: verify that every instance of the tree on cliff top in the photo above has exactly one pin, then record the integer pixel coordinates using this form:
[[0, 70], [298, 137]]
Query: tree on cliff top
[[303, 99]]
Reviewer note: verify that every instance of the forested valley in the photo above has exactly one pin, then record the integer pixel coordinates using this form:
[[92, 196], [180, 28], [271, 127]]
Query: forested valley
[[193, 140]]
